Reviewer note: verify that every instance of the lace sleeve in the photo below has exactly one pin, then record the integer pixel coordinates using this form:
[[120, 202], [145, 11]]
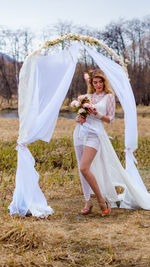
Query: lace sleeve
[[110, 108]]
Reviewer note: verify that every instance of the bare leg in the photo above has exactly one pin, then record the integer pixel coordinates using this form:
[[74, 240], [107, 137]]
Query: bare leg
[[87, 158], [85, 185]]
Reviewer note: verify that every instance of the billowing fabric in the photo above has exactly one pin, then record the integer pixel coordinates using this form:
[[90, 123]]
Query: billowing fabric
[[43, 84], [106, 166], [28, 196], [42, 90]]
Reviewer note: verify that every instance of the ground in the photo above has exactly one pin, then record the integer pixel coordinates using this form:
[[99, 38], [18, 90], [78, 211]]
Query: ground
[[9, 128], [67, 238]]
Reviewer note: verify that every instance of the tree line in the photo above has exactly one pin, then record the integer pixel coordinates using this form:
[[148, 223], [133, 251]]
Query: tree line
[[129, 38]]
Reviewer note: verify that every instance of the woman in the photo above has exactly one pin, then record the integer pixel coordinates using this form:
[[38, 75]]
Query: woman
[[88, 136]]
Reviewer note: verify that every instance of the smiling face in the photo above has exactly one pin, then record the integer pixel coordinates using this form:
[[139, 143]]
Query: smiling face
[[98, 84]]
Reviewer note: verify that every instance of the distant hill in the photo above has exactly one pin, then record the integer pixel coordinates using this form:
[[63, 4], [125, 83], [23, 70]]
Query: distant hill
[[6, 57]]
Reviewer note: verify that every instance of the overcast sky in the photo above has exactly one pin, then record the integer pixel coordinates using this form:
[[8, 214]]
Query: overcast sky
[[95, 13]]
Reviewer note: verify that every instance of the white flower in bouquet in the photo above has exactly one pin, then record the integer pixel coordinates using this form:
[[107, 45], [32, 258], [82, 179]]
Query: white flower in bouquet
[[81, 97], [75, 103], [88, 105], [81, 110]]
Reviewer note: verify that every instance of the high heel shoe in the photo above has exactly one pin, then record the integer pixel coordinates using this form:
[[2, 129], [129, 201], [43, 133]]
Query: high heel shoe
[[88, 207], [86, 211], [106, 211]]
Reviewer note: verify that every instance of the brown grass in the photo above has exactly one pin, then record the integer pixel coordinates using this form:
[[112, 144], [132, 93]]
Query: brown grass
[[9, 128], [68, 239], [65, 127]]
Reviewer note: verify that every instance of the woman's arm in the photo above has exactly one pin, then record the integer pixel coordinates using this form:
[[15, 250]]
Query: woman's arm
[[110, 110], [102, 117], [105, 118]]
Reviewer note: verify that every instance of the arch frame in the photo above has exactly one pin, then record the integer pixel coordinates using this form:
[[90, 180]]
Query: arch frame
[[91, 41]]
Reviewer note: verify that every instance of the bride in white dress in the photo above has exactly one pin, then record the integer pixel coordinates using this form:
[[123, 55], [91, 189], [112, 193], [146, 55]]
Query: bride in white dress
[[87, 141], [99, 167]]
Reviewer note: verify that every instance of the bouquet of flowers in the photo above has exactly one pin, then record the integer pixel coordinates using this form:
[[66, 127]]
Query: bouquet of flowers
[[81, 105]]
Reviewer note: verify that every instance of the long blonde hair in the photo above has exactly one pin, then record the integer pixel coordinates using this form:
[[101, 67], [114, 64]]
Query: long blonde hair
[[99, 74]]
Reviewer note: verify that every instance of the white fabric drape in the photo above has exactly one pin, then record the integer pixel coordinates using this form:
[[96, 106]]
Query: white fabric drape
[[44, 82], [28, 196], [47, 84]]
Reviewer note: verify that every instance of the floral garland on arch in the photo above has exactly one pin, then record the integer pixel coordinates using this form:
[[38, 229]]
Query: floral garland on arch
[[89, 40]]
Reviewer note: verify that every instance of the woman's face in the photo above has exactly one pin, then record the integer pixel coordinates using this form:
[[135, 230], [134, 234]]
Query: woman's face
[[98, 84]]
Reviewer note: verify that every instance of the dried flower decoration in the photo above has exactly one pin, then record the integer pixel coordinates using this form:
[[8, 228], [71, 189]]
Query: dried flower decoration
[[90, 41]]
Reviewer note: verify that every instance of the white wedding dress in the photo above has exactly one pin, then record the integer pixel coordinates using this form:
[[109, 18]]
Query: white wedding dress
[[106, 166]]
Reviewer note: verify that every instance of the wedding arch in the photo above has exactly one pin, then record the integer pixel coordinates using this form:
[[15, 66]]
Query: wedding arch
[[43, 84]]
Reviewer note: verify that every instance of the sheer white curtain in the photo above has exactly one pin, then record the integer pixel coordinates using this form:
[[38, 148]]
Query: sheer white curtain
[[44, 82]]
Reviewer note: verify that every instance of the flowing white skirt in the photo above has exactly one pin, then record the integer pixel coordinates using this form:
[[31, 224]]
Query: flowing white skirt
[[109, 172]]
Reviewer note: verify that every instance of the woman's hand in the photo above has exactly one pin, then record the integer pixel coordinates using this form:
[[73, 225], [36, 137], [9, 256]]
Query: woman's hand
[[92, 110], [80, 119]]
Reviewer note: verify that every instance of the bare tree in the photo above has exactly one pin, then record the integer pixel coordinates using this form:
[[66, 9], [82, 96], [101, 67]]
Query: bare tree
[[130, 38], [115, 36]]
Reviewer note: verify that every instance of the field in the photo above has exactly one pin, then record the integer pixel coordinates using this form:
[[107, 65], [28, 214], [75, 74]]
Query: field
[[67, 238]]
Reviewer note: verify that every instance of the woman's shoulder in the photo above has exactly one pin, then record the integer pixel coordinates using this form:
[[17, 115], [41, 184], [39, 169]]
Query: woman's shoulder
[[110, 96]]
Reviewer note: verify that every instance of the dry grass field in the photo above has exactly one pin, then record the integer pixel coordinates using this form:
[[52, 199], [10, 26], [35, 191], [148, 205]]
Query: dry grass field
[[67, 238], [65, 127]]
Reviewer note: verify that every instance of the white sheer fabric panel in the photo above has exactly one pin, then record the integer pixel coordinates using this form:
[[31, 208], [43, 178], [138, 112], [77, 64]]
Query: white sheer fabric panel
[[48, 81], [44, 82], [28, 195]]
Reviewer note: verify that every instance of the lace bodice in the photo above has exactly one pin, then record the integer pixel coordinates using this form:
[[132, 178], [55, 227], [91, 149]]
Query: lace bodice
[[108, 100]]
